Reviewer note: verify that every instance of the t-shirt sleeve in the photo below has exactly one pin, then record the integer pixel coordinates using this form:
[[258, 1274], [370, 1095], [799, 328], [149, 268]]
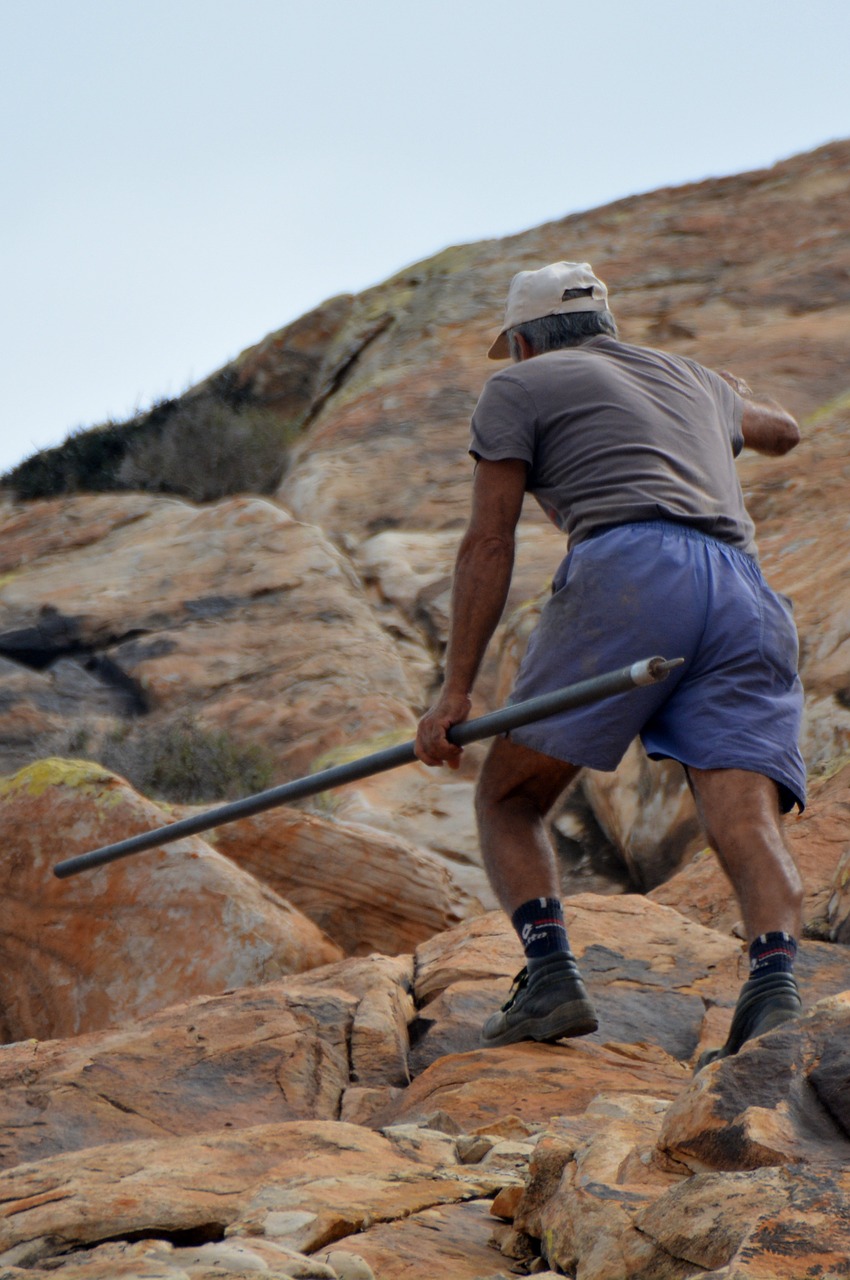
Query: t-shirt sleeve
[[504, 422], [729, 403]]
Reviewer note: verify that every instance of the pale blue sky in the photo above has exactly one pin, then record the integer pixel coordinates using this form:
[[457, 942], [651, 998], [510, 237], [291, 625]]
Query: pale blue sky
[[180, 177]]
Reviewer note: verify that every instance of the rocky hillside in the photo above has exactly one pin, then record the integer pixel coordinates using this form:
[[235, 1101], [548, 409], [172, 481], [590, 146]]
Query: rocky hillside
[[257, 1053]]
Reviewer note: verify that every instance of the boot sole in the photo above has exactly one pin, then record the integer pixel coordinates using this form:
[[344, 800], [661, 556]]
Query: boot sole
[[578, 1018]]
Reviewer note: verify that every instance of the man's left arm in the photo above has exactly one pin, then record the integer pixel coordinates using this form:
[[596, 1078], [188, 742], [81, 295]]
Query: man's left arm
[[482, 577], [765, 425]]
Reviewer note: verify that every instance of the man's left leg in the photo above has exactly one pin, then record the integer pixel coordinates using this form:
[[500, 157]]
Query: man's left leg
[[516, 789], [740, 813]]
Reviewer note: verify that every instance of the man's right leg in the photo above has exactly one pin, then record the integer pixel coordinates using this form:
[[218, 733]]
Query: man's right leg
[[740, 813], [516, 789]]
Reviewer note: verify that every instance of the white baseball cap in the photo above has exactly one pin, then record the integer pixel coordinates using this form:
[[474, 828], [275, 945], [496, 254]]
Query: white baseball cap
[[552, 291]]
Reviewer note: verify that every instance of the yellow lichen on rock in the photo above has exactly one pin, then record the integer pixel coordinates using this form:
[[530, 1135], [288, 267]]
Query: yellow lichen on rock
[[53, 771]]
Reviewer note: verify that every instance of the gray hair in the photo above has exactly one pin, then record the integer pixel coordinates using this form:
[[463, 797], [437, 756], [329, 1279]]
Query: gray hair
[[551, 333]]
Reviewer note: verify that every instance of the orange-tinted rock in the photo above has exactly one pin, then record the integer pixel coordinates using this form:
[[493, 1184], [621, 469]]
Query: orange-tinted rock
[[248, 617], [288, 1050], [625, 947], [477, 1090], [367, 890], [128, 938], [450, 1240], [305, 1184], [781, 1100]]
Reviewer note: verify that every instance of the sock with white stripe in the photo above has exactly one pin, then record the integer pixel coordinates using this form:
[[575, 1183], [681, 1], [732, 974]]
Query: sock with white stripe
[[541, 929], [772, 953]]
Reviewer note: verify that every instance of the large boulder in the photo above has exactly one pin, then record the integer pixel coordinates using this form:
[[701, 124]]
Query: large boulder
[[236, 612], [303, 1183], [604, 1200], [288, 1050], [367, 889], [125, 939]]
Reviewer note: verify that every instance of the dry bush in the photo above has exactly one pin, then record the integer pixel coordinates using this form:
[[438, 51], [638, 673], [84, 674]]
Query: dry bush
[[208, 449], [182, 762]]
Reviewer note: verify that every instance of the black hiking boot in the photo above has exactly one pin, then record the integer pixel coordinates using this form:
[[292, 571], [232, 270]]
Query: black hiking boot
[[764, 1003], [548, 1003]]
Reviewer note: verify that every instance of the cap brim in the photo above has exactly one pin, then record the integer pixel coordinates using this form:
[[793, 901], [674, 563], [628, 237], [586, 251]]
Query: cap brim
[[500, 349]]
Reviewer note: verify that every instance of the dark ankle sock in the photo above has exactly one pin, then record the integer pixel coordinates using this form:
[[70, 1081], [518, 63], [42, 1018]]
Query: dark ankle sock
[[772, 953], [541, 929]]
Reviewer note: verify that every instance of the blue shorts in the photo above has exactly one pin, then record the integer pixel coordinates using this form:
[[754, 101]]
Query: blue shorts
[[636, 590]]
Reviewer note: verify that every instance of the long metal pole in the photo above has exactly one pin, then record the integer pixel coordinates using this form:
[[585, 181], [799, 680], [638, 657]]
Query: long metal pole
[[647, 671]]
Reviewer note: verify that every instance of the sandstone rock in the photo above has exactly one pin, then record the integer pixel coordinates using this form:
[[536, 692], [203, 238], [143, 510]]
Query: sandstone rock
[[366, 889], [410, 572], [302, 1184], [247, 616], [154, 1259], [349, 1266], [38, 706], [587, 1219], [625, 947], [609, 1194], [701, 891], [476, 1090], [291, 368], [757, 1225], [381, 986], [763, 1224], [36, 530], [647, 811], [361, 1103], [220, 1062], [448, 1240], [782, 1100], [423, 808], [285, 1051], [123, 940]]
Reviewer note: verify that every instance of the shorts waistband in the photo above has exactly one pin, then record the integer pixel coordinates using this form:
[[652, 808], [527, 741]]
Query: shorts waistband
[[673, 526]]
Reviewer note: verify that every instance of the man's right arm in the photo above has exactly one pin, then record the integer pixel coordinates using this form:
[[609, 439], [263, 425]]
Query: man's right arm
[[480, 585]]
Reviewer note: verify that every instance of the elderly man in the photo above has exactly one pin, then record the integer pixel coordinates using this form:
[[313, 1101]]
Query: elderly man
[[631, 452]]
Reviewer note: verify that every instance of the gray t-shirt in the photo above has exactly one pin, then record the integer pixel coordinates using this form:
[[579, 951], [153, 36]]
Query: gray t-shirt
[[613, 433]]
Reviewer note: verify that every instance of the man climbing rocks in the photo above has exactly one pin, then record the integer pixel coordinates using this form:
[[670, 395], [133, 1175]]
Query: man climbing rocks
[[631, 452]]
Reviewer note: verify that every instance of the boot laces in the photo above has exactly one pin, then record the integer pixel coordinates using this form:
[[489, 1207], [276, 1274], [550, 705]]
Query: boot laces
[[519, 984]]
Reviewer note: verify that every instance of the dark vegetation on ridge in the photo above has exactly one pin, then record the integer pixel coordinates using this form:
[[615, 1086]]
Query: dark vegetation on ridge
[[203, 446]]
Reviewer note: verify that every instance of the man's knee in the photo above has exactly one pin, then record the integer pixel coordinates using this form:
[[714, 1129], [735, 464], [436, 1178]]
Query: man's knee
[[514, 772], [735, 802]]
